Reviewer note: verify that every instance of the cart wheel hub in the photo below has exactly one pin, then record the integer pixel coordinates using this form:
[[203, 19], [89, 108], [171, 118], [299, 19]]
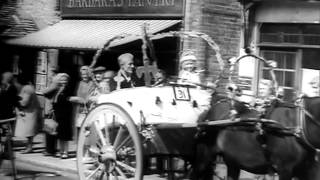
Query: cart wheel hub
[[108, 158]]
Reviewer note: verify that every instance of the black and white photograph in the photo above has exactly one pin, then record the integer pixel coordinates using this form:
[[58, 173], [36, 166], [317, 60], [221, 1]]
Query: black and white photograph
[[160, 90]]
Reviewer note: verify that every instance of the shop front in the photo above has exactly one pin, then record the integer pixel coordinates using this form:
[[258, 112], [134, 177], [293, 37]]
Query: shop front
[[87, 25]]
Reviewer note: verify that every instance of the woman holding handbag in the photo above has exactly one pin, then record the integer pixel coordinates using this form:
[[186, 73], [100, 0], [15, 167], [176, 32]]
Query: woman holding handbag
[[62, 109], [83, 89]]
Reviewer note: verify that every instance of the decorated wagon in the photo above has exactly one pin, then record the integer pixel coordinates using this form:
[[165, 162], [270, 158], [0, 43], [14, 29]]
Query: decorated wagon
[[128, 127]]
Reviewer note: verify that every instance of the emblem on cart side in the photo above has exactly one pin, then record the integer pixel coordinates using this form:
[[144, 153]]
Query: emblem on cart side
[[181, 93]]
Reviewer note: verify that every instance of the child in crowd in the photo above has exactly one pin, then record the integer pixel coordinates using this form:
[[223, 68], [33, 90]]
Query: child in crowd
[[188, 72]]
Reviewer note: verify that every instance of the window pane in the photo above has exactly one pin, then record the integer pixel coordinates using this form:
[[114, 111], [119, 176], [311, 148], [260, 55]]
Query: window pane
[[289, 79], [290, 61], [266, 74], [280, 60], [285, 72], [280, 78], [311, 29], [276, 27]]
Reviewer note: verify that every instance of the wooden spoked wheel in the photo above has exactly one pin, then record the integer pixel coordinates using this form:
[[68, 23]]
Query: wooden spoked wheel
[[109, 146]]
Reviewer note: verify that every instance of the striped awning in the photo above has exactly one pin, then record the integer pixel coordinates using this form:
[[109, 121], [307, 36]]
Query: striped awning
[[89, 34]]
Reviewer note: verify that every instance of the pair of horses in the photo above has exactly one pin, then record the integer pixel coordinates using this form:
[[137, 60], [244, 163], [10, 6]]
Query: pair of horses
[[260, 147]]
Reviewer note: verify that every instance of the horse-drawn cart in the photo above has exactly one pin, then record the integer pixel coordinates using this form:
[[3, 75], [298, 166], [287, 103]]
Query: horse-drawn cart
[[129, 126], [132, 124]]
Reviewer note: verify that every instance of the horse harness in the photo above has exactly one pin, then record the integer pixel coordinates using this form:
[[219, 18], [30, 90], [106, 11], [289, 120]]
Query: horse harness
[[266, 126], [302, 130]]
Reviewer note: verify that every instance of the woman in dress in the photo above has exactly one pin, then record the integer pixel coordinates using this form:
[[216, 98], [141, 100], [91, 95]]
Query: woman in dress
[[28, 114], [83, 90]]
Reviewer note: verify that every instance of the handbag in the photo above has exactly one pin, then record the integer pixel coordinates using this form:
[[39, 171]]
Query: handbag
[[50, 125]]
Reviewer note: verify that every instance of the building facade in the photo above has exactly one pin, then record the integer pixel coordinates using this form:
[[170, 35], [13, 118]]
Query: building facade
[[288, 33], [84, 26]]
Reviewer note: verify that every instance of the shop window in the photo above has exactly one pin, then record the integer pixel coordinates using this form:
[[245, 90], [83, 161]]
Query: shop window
[[285, 71]]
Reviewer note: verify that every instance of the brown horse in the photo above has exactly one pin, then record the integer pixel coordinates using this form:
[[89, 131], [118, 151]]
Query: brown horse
[[258, 149]]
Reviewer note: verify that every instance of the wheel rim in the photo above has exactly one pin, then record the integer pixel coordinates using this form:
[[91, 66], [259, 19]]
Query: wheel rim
[[109, 146]]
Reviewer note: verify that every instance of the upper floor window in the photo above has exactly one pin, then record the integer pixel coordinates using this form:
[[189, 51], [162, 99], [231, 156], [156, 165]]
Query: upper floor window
[[298, 34]]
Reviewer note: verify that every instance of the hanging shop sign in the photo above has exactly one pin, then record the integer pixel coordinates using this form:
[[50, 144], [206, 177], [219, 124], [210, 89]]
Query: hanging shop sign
[[122, 8]]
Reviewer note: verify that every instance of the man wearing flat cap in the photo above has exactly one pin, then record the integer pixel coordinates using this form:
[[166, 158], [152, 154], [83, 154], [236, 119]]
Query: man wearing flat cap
[[126, 77], [103, 83], [98, 73]]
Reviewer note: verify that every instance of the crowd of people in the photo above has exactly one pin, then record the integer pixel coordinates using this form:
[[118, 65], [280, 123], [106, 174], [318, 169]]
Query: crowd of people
[[68, 107]]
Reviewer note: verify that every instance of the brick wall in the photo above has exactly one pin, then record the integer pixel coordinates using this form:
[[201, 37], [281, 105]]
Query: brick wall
[[221, 20]]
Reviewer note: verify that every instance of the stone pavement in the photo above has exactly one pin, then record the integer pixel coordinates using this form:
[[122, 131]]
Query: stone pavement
[[38, 159]]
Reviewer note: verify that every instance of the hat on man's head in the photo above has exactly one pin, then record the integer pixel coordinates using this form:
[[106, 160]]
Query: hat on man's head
[[99, 69], [187, 55], [123, 57]]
